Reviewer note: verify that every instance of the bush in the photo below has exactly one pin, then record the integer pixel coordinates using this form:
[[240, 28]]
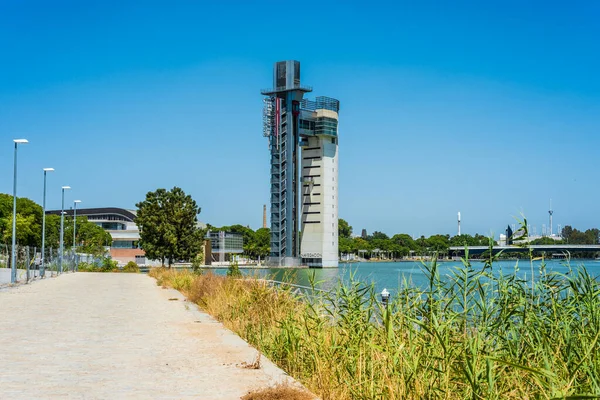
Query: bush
[[131, 267], [86, 267], [108, 265], [234, 270], [197, 263]]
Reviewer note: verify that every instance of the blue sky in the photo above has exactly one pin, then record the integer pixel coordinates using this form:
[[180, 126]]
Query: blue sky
[[488, 108]]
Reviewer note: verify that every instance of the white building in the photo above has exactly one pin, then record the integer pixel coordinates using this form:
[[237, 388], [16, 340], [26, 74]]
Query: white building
[[319, 202]]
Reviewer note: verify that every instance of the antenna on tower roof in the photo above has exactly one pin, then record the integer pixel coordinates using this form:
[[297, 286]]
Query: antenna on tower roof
[[550, 212]]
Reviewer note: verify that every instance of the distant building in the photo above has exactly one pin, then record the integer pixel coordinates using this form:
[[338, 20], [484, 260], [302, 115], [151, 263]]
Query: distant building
[[125, 234], [222, 247], [363, 234], [502, 241], [119, 223], [509, 235]]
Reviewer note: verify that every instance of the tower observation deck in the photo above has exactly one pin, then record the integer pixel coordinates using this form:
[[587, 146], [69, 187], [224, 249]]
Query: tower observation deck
[[303, 186]]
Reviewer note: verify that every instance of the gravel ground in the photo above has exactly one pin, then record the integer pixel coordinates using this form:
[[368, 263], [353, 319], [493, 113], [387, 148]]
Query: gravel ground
[[118, 336]]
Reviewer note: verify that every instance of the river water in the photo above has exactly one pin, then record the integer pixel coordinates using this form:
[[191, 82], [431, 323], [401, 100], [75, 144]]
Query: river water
[[392, 275]]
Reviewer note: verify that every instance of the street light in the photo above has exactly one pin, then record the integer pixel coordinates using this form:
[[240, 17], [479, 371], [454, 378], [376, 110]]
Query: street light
[[62, 224], [13, 264], [43, 266]]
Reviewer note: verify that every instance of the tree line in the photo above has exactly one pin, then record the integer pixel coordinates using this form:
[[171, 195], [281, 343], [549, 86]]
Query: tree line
[[401, 244], [90, 237], [169, 230]]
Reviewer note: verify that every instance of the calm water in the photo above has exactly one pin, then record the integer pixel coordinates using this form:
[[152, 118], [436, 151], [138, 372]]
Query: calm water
[[391, 274]]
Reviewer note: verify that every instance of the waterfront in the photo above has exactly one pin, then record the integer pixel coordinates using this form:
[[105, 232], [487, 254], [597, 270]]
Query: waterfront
[[452, 340], [391, 275]]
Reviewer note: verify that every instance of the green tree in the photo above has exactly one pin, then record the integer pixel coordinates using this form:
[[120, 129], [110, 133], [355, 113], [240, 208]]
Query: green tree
[[404, 240], [438, 243], [25, 228], [345, 245], [91, 238], [378, 235], [344, 229], [52, 231], [591, 236], [481, 240], [262, 238], [167, 221], [567, 231], [463, 240], [545, 241], [29, 221]]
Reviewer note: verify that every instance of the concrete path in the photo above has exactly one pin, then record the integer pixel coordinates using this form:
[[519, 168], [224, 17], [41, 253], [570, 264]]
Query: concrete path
[[118, 336]]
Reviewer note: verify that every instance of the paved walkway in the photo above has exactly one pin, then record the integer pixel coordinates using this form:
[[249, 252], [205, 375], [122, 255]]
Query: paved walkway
[[118, 336]]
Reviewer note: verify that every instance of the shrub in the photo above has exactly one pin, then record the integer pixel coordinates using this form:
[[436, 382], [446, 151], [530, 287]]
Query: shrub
[[131, 267], [86, 267], [197, 263], [108, 265], [234, 270]]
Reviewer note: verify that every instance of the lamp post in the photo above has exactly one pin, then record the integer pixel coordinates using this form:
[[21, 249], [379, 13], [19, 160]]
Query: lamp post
[[43, 265], [62, 224], [13, 264]]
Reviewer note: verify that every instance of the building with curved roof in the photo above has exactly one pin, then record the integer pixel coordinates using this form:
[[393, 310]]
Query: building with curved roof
[[119, 222]]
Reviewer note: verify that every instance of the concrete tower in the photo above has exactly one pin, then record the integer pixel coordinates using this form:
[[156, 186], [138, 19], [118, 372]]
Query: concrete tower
[[459, 223], [264, 215], [290, 123], [280, 125], [319, 142]]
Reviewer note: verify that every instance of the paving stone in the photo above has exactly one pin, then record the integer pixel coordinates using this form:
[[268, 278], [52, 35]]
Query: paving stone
[[118, 336]]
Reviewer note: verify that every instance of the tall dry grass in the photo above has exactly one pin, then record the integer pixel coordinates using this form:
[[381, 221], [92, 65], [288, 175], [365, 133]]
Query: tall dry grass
[[474, 334]]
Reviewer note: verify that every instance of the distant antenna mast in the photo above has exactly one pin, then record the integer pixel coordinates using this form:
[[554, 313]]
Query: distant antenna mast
[[550, 212], [459, 223]]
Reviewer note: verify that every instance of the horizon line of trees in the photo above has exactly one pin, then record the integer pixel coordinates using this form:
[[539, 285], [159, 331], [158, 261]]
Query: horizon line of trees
[[167, 221], [402, 244]]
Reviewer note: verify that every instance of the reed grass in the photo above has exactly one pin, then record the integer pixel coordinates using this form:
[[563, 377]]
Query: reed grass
[[472, 335]]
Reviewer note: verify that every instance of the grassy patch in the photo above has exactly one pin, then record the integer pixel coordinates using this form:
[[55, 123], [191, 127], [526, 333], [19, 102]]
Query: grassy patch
[[475, 334]]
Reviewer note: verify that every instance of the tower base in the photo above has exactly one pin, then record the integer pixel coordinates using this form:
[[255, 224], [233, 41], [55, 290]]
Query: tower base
[[283, 262]]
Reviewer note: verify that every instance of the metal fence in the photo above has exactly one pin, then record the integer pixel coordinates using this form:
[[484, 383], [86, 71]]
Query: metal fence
[[30, 265]]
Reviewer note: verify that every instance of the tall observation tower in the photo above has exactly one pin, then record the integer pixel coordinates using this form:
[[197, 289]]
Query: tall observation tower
[[303, 186]]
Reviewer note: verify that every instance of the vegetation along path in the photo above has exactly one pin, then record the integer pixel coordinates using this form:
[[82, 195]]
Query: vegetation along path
[[114, 336]]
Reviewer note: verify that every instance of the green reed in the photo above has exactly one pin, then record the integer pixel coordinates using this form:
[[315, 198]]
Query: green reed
[[476, 334]]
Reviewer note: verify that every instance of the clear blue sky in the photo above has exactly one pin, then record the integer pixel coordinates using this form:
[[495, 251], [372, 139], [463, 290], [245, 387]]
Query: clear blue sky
[[488, 108]]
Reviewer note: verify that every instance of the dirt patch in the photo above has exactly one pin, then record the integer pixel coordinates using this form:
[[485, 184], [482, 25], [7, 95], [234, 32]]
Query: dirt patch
[[254, 365], [280, 392]]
